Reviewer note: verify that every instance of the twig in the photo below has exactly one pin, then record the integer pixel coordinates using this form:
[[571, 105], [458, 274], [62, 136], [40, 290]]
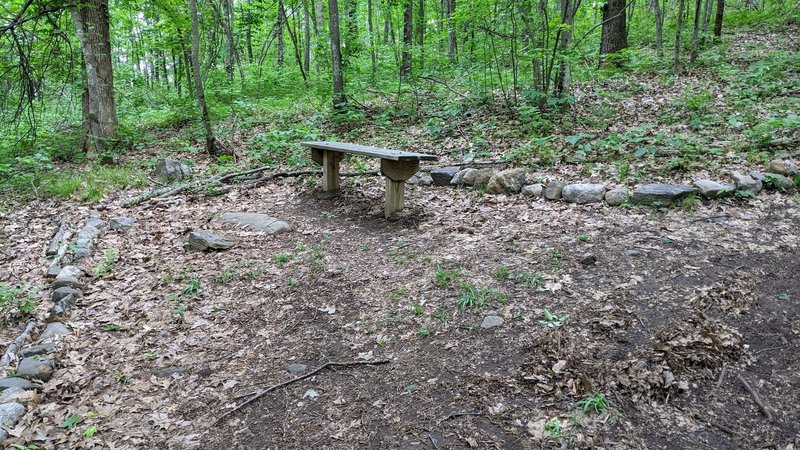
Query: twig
[[716, 425], [58, 237], [721, 216], [301, 377], [445, 85], [156, 182], [62, 250], [433, 441], [755, 396], [721, 376], [454, 415], [11, 351], [766, 350]]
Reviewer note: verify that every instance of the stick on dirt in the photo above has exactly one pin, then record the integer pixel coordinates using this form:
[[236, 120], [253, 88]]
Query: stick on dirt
[[755, 396], [13, 348], [302, 377]]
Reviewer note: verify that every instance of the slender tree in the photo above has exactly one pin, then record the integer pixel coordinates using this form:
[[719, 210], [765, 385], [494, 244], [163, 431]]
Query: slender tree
[[405, 64], [695, 31], [211, 146], [339, 98], [718, 19], [678, 30], [91, 18]]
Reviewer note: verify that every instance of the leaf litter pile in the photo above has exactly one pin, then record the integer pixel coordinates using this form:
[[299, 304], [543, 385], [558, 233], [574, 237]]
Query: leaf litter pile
[[639, 345]]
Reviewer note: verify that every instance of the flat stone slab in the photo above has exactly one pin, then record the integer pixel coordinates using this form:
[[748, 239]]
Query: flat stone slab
[[491, 322], [34, 368], [297, 368], [168, 372], [442, 176], [41, 349], [205, 240], [10, 382], [583, 193], [10, 413], [712, 189], [13, 394], [617, 196], [660, 194], [54, 331], [256, 222], [553, 190], [121, 223]]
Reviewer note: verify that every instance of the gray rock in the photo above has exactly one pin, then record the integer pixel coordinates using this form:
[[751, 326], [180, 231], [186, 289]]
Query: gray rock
[[479, 177], [10, 413], [425, 181], [204, 240], [12, 394], [757, 175], [256, 222], [65, 291], [632, 252], [10, 382], [61, 309], [168, 372], [54, 332], [34, 350], [583, 193], [70, 272], [660, 194], [553, 190], [297, 368], [34, 368], [95, 222], [83, 243], [121, 223], [443, 175], [508, 181], [747, 183], [65, 282], [773, 181], [491, 322], [712, 189], [533, 190], [3, 435], [782, 167], [459, 177], [617, 196], [588, 259], [53, 270], [170, 170]]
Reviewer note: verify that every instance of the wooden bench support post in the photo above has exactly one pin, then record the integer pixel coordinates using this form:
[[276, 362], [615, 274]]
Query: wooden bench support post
[[396, 172], [330, 167]]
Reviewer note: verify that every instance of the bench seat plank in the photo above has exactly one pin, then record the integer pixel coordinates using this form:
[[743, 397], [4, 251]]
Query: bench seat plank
[[376, 152]]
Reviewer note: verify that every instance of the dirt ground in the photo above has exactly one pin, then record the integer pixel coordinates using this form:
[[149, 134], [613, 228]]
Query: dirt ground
[[676, 299]]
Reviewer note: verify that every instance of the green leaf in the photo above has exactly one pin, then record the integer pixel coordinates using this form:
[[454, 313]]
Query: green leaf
[[91, 431], [70, 422]]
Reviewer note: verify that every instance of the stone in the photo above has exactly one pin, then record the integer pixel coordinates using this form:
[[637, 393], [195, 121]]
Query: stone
[[11, 395], [712, 189], [479, 177], [297, 368], [256, 222], [533, 190], [65, 291], [68, 282], [583, 193], [660, 194], [757, 175], [168, 372], [776, 182], [34, 368], [632, 252], [508, 181], [70, 271], [121, 223], [782, 167], [204, 240], [553, 190], [11, 382], [747, 183], [588, 259], [83, 243], [458, 178], [95, 222], [491, 322], [443, 175], [170, 170], [53, 270], [34, 350], [425, 180], [10, 413], [617, 196], [54, 331], [3, 435]]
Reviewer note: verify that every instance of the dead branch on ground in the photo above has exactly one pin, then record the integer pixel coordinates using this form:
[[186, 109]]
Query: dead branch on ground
[[14, 346]]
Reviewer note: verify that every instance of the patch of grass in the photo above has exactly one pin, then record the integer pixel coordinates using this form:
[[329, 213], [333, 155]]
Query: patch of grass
[[502, 273], [281, 259], [552, 428], [447, 277], [193, 288], [417, 310], [596, 402], [397, 294], [226, 275], [473, 297], [534, 280], [104, 268], [584, 238], [424, 332], [114, 327]]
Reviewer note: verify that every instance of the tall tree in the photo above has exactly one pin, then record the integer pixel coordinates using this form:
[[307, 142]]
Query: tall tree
[[339, 98], [679, 29], [281, 21], [452, 43], [659, 16], [211, 146], [695, 31], [563, 39], [91, 19], [420, 32], [615, 31], [718, 19], [408, 13], [372, 40]]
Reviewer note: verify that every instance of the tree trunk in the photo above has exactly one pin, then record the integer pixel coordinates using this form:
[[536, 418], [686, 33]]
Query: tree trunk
[[615, 32], [420, 33], [452, 43], [339, 99], [659, 13], [211, 146], [372, 55], [92, 27], [279, 27], [695, 30], [248, 17], [405, 64], [718, 20], [706, 16], [306, 37], [563, 78], [679, 28], [320, 17]]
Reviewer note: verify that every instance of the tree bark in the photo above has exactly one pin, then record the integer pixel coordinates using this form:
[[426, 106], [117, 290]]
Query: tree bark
[[615, 32], [420, 32], [452, 43], [679, 28], [718, 19], [248, 17], [100, 114], [306, 37], [563, 78], [659, 14], [695, 30], [405, 63], [211, 146], [279, 27], [339, 99], [372, 54]]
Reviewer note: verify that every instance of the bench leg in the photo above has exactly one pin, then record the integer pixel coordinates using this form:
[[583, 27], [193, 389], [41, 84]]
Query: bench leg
[[330, 170], [395, 197]]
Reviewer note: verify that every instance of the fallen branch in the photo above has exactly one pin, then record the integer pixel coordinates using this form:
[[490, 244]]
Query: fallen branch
[[13, 348], [294, 380], [434, 80], [55, 243], [721, 376], [755, 396], [62, 251], [454, 415]]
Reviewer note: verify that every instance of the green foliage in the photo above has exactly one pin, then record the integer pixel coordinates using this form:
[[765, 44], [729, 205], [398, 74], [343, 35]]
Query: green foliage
[[16, 299], [447, 277], [104, 268], [477, 298], [553, 321], [596, 402]]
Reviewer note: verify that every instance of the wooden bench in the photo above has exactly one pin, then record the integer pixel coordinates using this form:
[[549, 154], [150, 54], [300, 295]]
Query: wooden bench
[[397, 166]]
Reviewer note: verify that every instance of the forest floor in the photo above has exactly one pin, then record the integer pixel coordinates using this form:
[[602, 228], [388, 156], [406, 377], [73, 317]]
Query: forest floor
[[642, 349]]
